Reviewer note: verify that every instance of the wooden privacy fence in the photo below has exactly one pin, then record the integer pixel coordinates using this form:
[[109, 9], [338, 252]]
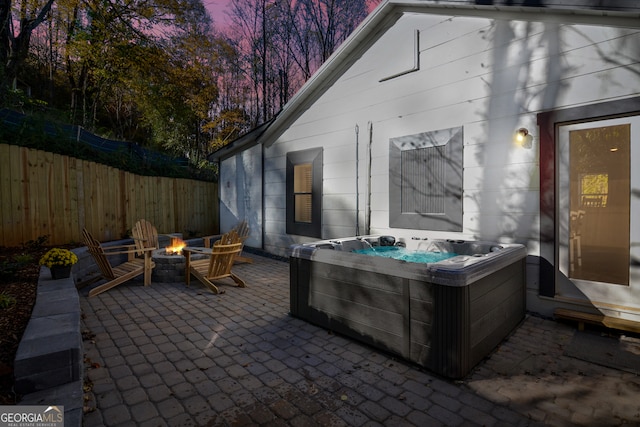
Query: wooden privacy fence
[[46, 194]]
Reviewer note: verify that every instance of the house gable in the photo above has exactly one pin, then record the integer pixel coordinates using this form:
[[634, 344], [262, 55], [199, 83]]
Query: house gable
[[616, 14]]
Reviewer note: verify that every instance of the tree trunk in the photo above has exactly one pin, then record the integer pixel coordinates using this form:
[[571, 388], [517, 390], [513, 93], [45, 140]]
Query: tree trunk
[[5, 30], [14, 50]]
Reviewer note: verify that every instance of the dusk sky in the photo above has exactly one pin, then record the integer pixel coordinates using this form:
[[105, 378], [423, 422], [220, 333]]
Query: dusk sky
[[217, 9]]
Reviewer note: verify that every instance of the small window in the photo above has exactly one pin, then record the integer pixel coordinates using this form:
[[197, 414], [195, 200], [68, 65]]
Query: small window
[[304, 193], [594, 190], [425, 181]]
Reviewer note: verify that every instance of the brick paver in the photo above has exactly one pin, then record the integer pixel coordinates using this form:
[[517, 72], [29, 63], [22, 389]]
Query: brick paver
[[177, 356]]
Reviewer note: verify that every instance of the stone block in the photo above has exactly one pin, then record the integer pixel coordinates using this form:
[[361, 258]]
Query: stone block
[[50, 352], [69, 395]]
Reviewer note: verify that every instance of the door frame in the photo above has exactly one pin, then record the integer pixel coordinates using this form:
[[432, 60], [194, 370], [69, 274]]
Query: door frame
[[548, 124]]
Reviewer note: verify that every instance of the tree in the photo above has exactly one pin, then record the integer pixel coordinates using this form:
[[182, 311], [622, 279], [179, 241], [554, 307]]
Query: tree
[[176, 87], [15, 47], [330, 22], [250, 37], [230, 116], [284, 41], [155, 72]]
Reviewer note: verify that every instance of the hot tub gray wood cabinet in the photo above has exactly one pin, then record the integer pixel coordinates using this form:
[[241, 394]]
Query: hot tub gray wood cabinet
[[445, 316]]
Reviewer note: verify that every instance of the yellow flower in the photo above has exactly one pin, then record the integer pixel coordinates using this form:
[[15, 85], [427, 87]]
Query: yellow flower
[[58, 257]]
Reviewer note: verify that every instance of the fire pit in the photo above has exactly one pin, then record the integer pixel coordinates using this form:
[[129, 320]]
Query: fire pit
[[170, 263]]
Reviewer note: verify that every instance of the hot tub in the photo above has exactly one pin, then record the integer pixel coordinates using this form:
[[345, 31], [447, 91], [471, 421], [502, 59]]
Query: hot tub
[[445, 315]]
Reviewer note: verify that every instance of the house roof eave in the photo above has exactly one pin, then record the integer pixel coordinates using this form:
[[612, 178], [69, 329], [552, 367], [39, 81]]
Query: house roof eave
[[241, 143]]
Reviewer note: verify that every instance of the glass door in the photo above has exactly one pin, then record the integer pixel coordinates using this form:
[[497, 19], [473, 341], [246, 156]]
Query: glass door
[[599, 229]]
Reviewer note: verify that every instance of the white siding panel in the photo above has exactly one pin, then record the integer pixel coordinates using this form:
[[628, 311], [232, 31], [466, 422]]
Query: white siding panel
[[228, 190], [610, 38], [336, 231], [473, 154], [341, 170], [338, 202], [512, 177], [452, 29], [522, 201], [442, 86], [241, 193], [341, 151], [275, 189], [340, 185], [508, 227], [274, 177], [339, 218], [602, 86]]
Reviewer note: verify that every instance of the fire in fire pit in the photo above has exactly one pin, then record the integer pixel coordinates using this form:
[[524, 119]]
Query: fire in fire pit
[[176, 246], [170, 262]]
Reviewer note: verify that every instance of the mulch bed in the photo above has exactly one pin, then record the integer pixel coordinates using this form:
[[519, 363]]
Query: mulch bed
[[22, 285]]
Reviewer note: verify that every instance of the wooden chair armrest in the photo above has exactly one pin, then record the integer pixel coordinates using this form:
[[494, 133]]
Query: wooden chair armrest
[[124, 249], [196, 250], [127, 246]]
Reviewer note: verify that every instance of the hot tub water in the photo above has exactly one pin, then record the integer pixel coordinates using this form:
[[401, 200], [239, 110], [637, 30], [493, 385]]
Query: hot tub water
[[404, 254]]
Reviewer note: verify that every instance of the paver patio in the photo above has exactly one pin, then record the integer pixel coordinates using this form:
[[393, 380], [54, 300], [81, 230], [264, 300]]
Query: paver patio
[[172, 355]]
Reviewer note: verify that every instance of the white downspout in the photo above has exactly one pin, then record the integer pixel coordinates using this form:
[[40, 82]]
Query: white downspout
[[357, 183], [368, 214]]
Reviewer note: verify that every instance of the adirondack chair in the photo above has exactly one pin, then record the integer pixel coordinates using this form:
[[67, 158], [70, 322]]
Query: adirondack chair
[[124, 272], [218, 265], [242, 230], [145, 236]]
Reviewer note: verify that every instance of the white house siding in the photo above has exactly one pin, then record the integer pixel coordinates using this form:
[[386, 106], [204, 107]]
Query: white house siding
[[241, 193], [489, 76], [457, 84]]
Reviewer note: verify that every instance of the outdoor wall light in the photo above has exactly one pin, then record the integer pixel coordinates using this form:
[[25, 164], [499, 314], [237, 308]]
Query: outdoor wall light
[[523, 138]]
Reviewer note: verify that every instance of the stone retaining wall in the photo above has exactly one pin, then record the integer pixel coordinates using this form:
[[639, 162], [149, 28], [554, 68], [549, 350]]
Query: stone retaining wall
[[48, 367]]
